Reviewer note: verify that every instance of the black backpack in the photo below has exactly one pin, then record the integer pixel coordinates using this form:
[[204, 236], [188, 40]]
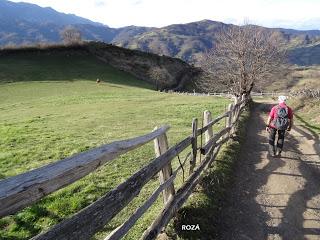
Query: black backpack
[[282, 120]]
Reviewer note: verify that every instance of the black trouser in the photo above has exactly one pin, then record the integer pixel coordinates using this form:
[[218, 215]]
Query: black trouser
[[272, 137]]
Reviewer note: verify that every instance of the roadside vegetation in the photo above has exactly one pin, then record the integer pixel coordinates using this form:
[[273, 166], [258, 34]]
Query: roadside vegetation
[[307, 113], [205, 204], [51, 108], [307, 108]]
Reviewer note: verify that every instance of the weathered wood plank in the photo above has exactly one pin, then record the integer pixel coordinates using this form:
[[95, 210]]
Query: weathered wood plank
[[207, 118], [235, 112], [161, 146], [239, 113], [243, 101], [179, 198], [22, 190], [126, 226], [94, 217], [210, 124], [205, 149], [216, 151], [194, 145], [229, 119], [230, 125]]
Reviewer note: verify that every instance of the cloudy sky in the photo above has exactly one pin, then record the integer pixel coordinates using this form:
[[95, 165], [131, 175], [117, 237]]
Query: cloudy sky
[[299, 14]]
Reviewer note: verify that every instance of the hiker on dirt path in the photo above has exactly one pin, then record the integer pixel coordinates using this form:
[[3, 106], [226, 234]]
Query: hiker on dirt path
[[279, 121]]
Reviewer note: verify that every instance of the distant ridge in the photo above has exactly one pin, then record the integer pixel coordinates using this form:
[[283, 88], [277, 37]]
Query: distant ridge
[[189, 41], [32, 13], [29, 24]]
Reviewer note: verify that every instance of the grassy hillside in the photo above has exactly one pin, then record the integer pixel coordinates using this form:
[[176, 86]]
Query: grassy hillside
[[305, 54], [160, 71], [60, 66], [300, 78], [51, 107], [307, 114], [308, 77]]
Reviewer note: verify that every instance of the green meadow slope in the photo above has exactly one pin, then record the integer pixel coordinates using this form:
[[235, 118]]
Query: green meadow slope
[[51, 107], [306, 109]]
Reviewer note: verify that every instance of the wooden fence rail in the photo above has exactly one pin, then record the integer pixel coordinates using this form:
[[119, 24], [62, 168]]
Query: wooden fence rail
[[25, 189], [299, 93]]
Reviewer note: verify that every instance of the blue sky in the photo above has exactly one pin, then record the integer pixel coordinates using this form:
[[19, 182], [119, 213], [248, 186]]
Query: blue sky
[[298, 14]]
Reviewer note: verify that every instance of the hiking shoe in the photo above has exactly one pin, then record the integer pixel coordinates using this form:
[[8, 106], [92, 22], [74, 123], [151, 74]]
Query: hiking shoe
[[272, 151], [278, 153]]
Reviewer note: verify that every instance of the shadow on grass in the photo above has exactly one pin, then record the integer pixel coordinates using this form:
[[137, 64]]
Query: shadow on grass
[[310, 127], [24, 222]]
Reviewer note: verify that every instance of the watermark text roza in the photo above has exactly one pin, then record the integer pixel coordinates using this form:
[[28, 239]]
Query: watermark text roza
[[190, 227]]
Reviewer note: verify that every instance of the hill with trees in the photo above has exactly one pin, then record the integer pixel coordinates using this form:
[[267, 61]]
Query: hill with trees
[[162, 72]]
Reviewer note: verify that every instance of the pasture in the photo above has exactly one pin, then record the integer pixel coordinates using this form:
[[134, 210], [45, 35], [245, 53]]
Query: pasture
[[51, 108]]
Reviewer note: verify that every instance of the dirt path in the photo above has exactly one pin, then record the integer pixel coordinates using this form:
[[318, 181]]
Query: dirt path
[[274, 198]]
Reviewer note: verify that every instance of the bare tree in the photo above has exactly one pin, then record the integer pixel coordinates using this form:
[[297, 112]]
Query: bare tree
[[71, 35], [244, 57], [159, 77]]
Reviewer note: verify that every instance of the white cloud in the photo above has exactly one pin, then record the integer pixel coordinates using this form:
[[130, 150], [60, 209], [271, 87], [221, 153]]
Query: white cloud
[[118, 13], [99, 3]]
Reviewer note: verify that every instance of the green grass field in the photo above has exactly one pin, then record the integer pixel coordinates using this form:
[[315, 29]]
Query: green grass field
[[307, 110], [51, 108], [307, 114]]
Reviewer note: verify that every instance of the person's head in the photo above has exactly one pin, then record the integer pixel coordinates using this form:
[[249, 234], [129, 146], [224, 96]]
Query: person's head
[[282, 99]]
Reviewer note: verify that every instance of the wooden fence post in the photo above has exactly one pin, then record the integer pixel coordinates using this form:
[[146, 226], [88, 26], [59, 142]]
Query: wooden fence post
[[194, 145], [235, 114], [236, 100], [160, 147], [243, 97], [229, 120], [207, 118]]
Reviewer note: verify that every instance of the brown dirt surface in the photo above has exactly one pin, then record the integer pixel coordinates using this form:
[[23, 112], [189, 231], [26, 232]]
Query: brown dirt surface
[[274, 197]]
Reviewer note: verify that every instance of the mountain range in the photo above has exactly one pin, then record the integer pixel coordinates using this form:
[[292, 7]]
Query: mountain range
[[29, 24]]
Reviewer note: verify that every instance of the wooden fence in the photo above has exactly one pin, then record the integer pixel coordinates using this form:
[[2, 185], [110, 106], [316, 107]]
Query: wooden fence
[[25, 189], [215, 94], [299, 93]]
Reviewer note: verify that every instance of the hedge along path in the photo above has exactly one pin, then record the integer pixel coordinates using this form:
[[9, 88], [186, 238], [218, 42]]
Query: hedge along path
[[22, 190]]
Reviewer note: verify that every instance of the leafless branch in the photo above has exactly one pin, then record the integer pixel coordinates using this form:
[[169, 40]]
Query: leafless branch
[[244, 57], [71, 35]]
